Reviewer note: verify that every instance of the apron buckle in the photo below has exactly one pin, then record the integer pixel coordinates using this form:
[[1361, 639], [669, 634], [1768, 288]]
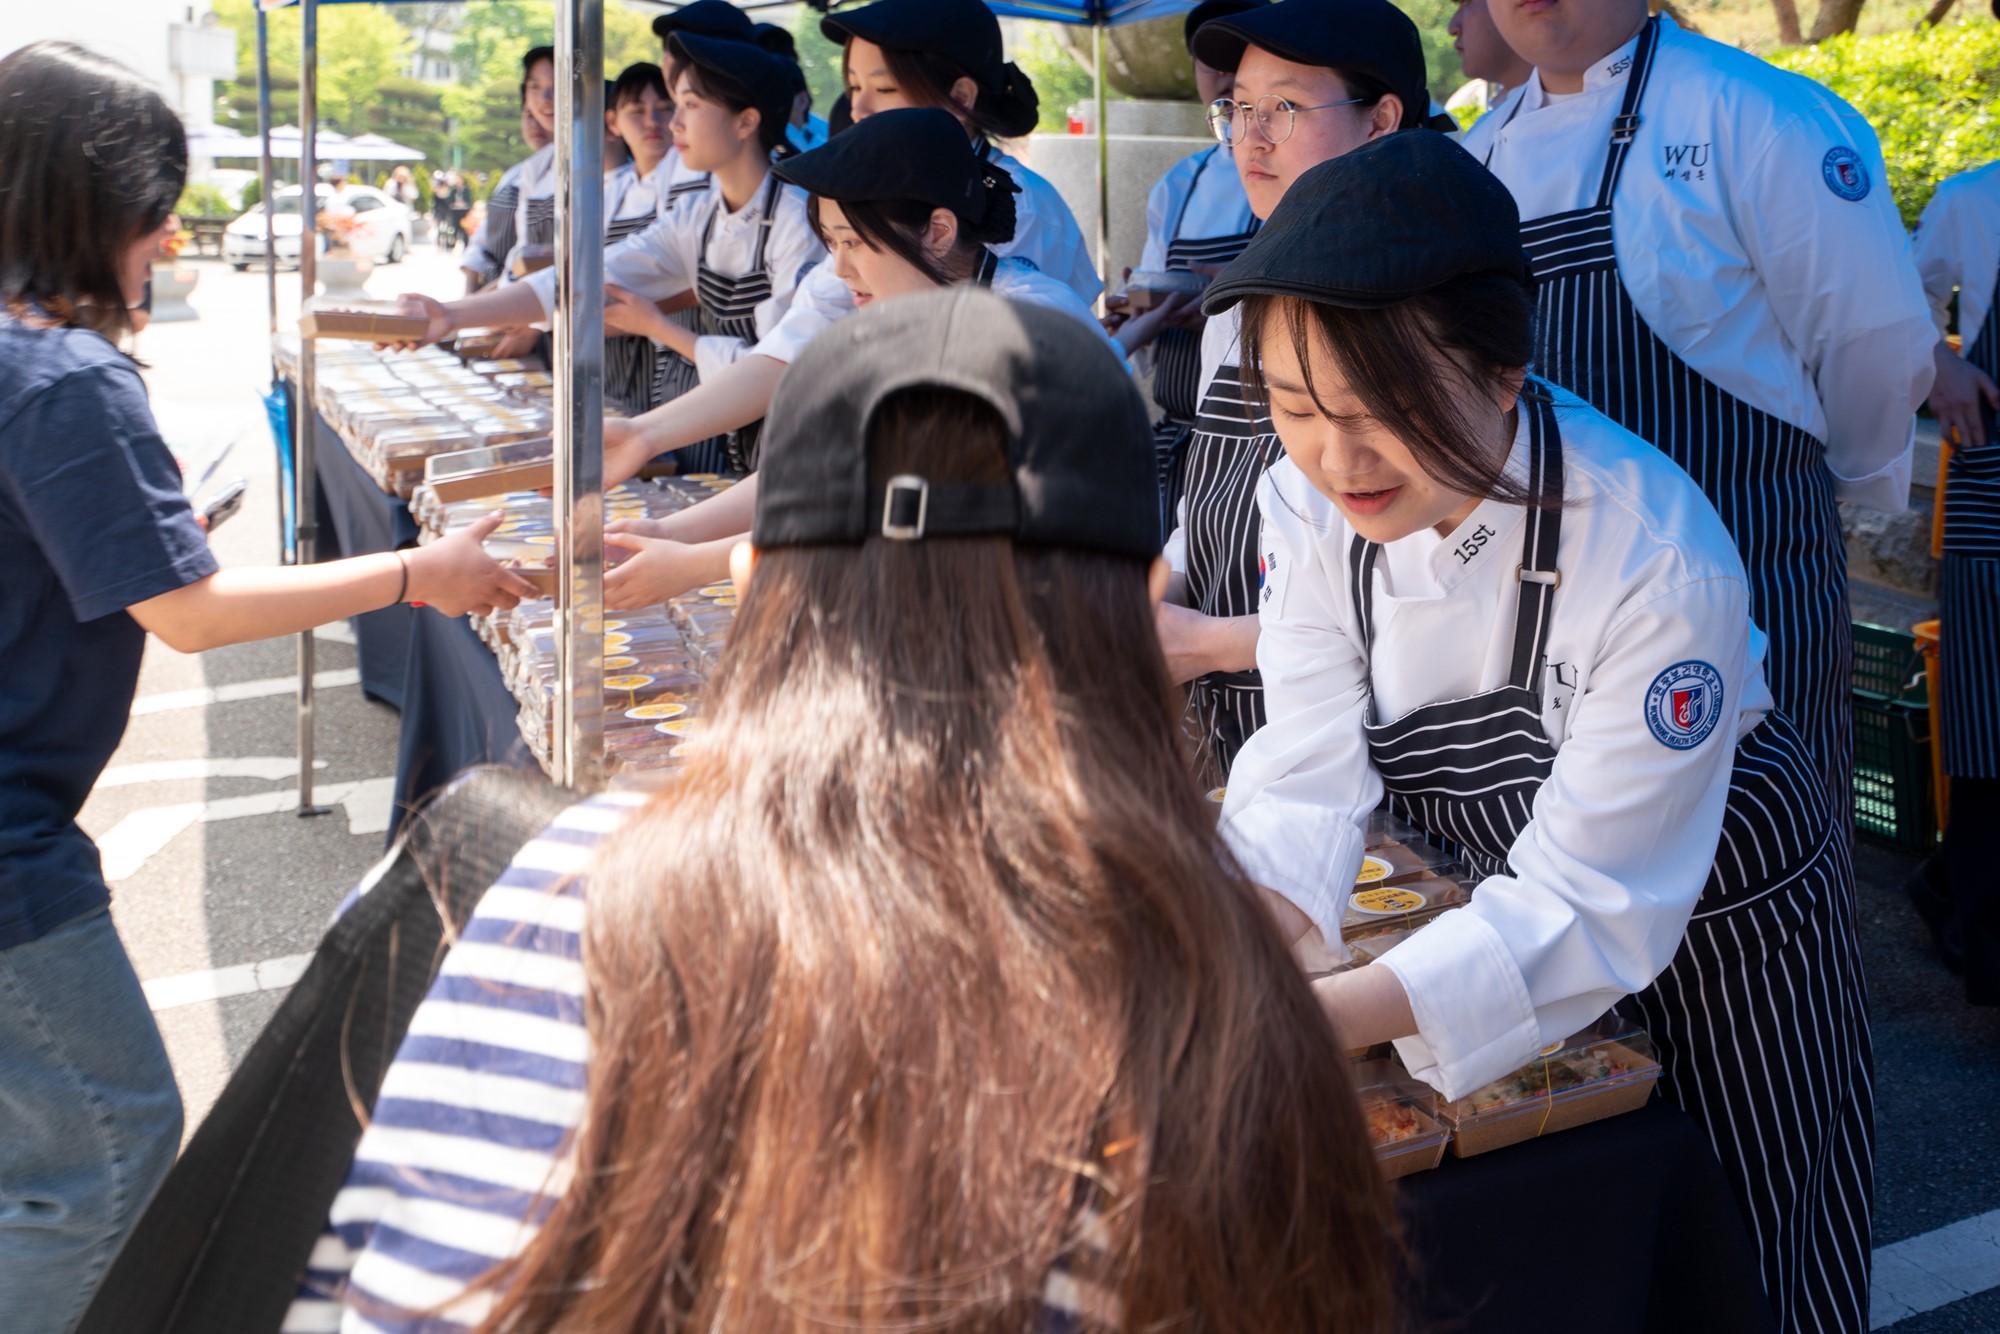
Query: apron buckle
[[904, 522], [1623, 128], [1524, 575]]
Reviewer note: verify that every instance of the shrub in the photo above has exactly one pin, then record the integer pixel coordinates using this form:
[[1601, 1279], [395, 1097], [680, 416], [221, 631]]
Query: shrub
[[1930, 94], [205, 201]]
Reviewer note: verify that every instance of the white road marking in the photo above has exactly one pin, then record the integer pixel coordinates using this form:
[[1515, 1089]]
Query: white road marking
[[202, 696], [213, 984], [234, 766], [338, 632], [1923, 1273], [133, 841]]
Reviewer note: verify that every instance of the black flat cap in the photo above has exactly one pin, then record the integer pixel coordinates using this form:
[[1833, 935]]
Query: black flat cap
[[1370, 37], [1078, 433], [916, 153], [778, 41], [710, 18], [962, 31], [1210, 10], [1393, 219], [771, 80]]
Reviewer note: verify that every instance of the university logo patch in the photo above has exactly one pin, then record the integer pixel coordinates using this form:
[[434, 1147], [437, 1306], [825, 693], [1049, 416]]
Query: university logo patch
[[1845, 173], [1683, 704]]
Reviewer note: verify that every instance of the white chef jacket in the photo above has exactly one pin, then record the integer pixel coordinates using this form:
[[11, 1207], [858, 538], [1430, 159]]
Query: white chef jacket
[[479, 255], [1607, 873], [661, 261], [1735, 249], [1045, 232], [1218, 206], [823, 300], [1220, 337], [627, 194], [674, 180], [536, 181], [1958, 248]]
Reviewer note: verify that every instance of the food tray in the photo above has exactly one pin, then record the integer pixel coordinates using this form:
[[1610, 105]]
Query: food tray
[[1391, 863], [388, 325], [1374, 909], [1608, 1069], [1401, 1116], [1152, 287]]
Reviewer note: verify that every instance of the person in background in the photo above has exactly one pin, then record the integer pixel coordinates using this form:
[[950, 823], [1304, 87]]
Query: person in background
[[403, 188], [640, 115], [487, 252], [1958, 889], [100, 547], [458, 204], [924, 997], [1484, 54], [1197, 218], [904, 206], [1721, 269], [440, 206], [1314, 79], [807, 131]]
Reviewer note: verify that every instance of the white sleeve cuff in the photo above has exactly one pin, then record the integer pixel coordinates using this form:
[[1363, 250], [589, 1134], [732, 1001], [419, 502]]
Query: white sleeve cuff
[[1310, 854], [715, 352], [1886, 489], [1475, 1020], [543, 285]]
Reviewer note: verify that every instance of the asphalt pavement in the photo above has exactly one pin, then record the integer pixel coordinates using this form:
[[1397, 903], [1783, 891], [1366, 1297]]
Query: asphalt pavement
[[222, 888]]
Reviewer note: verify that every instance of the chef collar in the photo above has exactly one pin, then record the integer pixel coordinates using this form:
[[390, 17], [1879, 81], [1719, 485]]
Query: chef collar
[[1079, 442], [1610, 70], [1370, 37], [1390, 220]]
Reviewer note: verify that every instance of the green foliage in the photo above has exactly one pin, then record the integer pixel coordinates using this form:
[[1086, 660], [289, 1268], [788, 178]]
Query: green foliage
[[820, 59], [1930, 94], [1441, 67], [205, 201], [253, 195], [1060, 79]]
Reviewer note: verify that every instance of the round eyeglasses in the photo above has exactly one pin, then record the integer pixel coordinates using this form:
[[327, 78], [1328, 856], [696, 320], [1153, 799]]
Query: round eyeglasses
[[1274, 115]]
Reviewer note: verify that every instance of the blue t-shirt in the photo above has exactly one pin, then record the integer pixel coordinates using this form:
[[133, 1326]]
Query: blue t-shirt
[[92, 520]]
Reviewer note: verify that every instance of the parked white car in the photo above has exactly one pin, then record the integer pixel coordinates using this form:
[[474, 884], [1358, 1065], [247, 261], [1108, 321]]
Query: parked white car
[[382, 227]]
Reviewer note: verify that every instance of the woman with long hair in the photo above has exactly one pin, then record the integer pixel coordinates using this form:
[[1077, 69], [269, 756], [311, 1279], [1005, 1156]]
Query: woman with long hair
[[491, 247], [903, 206], [100, 546], [925, 997], [742, 247]]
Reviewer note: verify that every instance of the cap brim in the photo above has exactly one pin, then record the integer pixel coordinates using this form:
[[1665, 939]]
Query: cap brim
[[1224, 295]]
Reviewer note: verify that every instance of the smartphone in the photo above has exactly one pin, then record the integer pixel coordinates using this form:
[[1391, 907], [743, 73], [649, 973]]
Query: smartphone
[[226, 504]]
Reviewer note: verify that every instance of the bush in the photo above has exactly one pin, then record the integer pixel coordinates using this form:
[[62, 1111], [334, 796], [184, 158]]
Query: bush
[[253, 194], [205, 201], [1930, 94]]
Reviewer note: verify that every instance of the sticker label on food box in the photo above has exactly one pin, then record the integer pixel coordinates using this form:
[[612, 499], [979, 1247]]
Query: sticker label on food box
[[655, 712], [1372, 870], [1386, 902]]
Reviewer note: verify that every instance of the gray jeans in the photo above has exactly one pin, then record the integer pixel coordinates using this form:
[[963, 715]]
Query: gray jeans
[[90, 1118]]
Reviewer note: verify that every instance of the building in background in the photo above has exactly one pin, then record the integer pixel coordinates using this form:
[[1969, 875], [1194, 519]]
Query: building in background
[[175, 44]]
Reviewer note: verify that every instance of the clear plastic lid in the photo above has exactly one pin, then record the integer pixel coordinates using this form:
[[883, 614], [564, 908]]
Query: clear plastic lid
[[1610, 1054], [1411, 901]]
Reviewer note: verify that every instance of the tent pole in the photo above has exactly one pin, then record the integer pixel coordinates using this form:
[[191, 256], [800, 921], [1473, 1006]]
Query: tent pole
[[579, 377], [1103, 164], [265, 170], [305, 416]]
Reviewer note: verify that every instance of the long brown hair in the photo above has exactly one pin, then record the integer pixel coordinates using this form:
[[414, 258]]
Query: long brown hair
[[931, 949]]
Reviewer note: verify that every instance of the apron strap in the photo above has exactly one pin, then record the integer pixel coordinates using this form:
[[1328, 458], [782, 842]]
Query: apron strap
[[1627, 124], [1537, 577], [764, 223], [989, 264], [1180, 214], [1361, 555]]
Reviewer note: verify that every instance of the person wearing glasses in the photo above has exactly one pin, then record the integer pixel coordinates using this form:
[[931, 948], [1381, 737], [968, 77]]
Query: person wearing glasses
[[1314, 79], [1198, 219]]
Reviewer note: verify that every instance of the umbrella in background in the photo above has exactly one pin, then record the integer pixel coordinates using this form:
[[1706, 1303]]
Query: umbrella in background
[[376, 148]]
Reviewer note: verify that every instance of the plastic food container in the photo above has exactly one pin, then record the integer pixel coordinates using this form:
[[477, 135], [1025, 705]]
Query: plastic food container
[[1402, 1119], [1406, 904], [1381, 827], [1608, 1069]]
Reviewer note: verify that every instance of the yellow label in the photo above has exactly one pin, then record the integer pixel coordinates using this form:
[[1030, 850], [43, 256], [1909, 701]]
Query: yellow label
[[681, 727], [700, 476], [1216, 794], [626, 682], [612, 643], [619, 664], [646, 713], [678, 752], [613, 625], [1372, 870], [725, 602], [540, 539], [1386, 902], [718, 591]]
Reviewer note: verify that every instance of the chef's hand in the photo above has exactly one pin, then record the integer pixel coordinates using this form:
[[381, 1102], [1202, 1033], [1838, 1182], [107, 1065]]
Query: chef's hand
[[455, 575], [441, 324], [656, 570], [627, 312], [1143, 329], [1118, 306], [1196, 645], [625, 450], [663, 528], [1959, 397], [517, 343]]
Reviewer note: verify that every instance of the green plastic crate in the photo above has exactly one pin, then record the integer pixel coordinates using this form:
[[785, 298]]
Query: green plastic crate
[[1893, 802]]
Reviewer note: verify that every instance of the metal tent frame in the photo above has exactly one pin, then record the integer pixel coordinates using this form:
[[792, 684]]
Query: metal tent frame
[[577, 745]]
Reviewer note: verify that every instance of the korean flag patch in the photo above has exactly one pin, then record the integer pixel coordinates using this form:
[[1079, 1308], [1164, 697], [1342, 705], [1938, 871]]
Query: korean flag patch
[[1684, 704], [1846, 174]]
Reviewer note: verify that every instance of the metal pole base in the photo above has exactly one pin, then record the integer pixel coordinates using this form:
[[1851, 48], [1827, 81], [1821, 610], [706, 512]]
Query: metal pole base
[[307, 812]]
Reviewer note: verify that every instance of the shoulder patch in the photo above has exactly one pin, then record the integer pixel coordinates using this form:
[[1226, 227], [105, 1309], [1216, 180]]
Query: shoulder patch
[[1846, 175], [1683, 704]]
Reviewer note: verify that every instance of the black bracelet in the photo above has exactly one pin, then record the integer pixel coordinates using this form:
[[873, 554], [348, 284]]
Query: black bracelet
[[404, 588]]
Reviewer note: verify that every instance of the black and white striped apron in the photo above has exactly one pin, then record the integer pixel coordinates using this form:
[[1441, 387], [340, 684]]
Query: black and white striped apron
[[1177, 354], [1969, 589], [728, 306], [1761, 1018], [630, 360], [1230, 449], [538, 227], [500, 209], [1767, 478]]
